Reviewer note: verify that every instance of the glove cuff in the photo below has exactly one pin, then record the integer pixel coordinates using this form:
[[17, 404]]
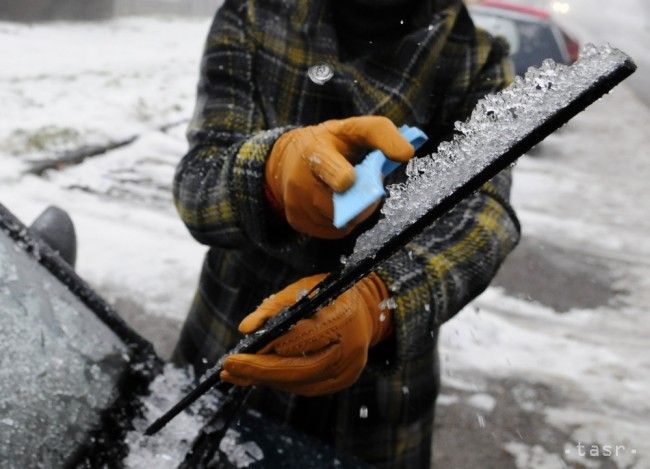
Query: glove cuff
[[376, 295], [273, 169]]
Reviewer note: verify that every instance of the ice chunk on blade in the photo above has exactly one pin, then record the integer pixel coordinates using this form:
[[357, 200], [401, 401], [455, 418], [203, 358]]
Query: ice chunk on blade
[[498, 122]]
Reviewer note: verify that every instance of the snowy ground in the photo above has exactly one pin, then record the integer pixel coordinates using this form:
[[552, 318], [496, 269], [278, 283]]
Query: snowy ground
[[548, 362], [550, 365], [80, 84]]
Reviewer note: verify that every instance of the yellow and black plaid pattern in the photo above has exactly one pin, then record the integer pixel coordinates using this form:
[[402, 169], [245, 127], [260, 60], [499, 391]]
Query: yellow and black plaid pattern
[[253, 87]]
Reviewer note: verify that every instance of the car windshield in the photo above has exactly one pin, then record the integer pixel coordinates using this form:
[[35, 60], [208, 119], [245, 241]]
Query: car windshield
[[537, 43], [498, 26], [59, 364], [531, 42]]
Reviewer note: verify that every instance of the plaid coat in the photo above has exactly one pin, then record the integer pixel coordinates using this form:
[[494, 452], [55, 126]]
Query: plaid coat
[[253, 87]]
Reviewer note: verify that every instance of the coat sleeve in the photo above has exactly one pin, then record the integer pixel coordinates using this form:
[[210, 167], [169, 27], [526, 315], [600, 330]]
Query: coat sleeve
[[455, 258], [218, 185]]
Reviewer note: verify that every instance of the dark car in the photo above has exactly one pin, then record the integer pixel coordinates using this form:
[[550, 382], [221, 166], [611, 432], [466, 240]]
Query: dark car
[[532, 33], [78, 385]]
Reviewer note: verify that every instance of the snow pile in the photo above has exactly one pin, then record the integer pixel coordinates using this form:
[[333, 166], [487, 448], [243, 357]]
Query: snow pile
[[578, 354], [533, 456], [59, 364], [168, 447], [497, 122], [141, 172], [240, 454], [65, 85], [482, 401]]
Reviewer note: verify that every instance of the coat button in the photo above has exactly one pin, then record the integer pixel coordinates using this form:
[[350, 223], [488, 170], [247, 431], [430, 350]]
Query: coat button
[[320, 74]]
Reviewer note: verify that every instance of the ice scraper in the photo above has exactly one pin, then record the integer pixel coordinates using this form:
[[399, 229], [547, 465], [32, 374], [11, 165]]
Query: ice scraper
[[502, 127]]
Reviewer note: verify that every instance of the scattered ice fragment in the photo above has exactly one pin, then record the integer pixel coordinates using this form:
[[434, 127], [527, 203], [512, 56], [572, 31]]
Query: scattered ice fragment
[[320, 74], [95, 371], [405, 390], [239, 454], [301, 294], [388, 303], [168, 447], [363, 412]]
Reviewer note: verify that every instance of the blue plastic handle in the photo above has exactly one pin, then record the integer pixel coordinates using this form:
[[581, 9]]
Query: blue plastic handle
[[368, 186]]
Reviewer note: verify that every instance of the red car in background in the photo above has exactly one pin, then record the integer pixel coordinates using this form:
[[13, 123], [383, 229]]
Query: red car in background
[[532, 33]]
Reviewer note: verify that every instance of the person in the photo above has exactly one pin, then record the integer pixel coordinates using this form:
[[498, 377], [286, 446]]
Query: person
[[291, 94]]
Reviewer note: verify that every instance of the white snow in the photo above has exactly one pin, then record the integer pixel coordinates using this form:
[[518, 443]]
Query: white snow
[[388, 303], [363, 412], [482, 401], [587, 191], [239, 454], [167, 448], [446, 399], [497, 123], [106, 81], [625, 23], [584, 192], [97, 82], [533, 457]]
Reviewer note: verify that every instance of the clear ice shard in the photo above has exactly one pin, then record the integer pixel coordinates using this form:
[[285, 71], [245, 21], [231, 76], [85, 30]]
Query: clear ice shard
[[497, 122]]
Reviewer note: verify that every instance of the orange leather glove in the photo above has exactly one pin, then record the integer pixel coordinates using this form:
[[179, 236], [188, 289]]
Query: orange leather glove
[[321, 354], [307, 164]]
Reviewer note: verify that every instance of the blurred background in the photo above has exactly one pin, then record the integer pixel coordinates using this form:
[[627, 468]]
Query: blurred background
[[95, 98], [46, 10]]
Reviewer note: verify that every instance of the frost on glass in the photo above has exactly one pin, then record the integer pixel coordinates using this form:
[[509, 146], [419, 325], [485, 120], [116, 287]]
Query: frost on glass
[[58, 364], [496, 124]]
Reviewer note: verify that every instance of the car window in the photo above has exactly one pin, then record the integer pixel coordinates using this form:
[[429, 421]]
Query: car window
[[537, 43], [531, 42], [499, 27], [59, 364]]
